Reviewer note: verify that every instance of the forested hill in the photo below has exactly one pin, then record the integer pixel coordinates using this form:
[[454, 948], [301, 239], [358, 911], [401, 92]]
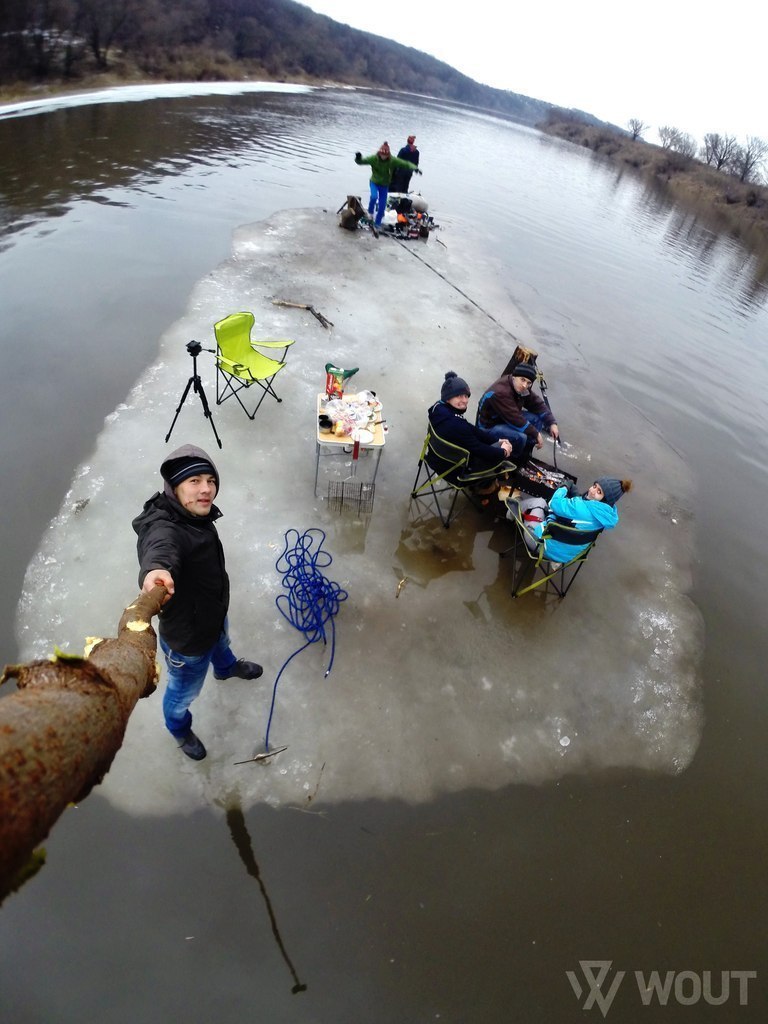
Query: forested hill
[[184, 40]]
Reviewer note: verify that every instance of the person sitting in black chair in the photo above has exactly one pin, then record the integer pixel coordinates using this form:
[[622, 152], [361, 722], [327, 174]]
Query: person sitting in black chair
[[447, 419]]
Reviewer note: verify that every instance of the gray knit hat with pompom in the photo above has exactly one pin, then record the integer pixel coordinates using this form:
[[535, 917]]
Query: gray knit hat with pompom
[[612, 489]]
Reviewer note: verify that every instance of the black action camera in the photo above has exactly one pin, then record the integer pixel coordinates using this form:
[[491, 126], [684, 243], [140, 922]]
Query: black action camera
[[194, 348]]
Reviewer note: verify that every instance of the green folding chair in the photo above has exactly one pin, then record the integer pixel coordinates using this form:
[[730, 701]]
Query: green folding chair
[[444, 468], [240, 366], [530, 561]]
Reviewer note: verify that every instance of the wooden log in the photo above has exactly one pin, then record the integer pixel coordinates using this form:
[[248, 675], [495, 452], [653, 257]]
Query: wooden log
[[303, 305], [61, 729]]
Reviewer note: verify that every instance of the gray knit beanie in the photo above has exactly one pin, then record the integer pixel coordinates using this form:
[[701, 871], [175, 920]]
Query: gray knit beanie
[[612, 489], [453, 385]]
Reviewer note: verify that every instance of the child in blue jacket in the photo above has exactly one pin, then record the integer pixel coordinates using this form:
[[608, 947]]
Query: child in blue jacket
[[593, 510]]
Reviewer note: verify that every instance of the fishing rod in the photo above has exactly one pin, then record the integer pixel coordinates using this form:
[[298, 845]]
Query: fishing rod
[[456, 288], [543, 388], [492, 318]]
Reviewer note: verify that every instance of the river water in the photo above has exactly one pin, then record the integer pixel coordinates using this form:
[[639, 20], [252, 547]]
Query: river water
[[470, 906]]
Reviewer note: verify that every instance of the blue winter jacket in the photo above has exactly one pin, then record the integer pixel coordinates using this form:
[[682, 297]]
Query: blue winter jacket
[[578, 512]]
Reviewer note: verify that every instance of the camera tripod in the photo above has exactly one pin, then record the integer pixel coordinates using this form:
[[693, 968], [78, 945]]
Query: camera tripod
[[195, 348]]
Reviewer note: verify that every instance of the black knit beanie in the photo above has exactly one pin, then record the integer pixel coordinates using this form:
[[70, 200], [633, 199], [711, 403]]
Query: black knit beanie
[[176, 471], [527, 370], [453, 385]]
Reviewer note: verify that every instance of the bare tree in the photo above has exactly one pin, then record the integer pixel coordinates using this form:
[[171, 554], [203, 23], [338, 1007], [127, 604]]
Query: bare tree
[[684, 144], [164, 25], [717, 150], [747, 161], [680, 142], [636, 128], [101, 22]]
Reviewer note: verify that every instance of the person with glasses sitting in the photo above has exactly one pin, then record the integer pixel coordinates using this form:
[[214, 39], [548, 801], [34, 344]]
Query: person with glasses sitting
[[510, 409]]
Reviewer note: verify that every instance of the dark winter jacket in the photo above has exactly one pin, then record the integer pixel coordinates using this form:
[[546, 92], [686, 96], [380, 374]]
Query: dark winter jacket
[[401, 179], [406, 153], [187, 546], [502, 404], [450, 424]]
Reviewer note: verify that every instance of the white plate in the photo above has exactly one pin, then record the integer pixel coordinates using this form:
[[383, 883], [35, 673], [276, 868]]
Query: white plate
[[362, 435]]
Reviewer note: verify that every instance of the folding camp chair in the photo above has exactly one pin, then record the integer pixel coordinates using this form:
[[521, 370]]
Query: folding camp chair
[[528, 557], [444, 466], [239, 365]]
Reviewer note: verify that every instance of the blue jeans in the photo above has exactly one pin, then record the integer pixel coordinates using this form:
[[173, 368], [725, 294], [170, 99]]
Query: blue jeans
[[186, 675], [380, 193], [518, 438]]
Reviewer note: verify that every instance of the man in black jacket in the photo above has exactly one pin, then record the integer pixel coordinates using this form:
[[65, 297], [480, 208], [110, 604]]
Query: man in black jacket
[[401, 179], [486, 452], [178, 547]]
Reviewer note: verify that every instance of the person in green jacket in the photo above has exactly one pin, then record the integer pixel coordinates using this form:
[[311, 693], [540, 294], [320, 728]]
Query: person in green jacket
[[383, 166]]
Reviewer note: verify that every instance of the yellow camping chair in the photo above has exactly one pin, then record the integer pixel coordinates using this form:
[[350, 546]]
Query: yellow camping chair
[[238, 363], [444, 469]]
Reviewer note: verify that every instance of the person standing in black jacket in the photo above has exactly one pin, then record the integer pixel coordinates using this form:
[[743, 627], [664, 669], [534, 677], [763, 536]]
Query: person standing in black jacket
[[401, 179], [178, 547]]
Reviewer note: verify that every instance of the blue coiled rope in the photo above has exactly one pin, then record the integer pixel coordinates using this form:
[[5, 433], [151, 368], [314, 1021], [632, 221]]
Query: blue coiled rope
[[311, 600]]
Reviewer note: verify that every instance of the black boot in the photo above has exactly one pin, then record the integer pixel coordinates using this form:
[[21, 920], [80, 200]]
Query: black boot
[[241, 670], [192, 746]]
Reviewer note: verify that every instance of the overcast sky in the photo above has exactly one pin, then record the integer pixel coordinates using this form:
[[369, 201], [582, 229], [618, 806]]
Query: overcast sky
[[669, 62]]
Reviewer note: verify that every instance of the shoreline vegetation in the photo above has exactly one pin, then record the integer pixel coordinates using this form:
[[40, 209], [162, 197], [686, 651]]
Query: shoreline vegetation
[[213, 41], [719, 199], [726, 203]]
